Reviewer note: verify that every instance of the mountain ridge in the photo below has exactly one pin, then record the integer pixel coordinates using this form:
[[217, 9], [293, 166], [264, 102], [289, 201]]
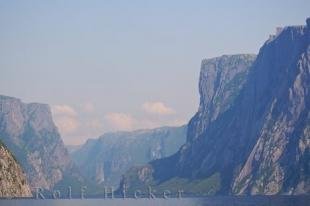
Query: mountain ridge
[[106, 158]]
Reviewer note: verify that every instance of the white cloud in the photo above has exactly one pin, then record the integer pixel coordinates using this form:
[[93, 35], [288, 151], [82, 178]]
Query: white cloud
[[65, 118], [157, 108], [76, 125], [66, 125], [88, 107], [80, 123], [120, 121], [63, 110], [95, 124]]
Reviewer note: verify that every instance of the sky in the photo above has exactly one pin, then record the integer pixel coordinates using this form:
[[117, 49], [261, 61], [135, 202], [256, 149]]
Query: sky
[[114, 65]]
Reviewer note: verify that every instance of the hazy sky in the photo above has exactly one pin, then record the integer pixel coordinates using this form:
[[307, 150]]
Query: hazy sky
[[123, 65]]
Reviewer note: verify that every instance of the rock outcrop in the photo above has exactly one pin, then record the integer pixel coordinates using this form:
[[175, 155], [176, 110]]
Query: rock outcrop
[[107, 158], [260, 144], [12, 179], [31, 135]]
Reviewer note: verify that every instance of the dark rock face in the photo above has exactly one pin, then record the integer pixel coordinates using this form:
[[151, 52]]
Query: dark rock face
[[29, 132], [260, 144], [107, 158], [12, 179], [279, 159]]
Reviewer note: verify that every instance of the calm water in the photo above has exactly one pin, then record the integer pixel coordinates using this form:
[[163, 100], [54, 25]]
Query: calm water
[[210, 201]]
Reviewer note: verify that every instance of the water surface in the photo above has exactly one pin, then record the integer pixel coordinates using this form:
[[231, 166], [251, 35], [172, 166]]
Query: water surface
[[207, 201]]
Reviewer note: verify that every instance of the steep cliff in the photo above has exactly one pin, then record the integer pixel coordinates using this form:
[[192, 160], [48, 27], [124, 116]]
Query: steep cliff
[[221, 80], [260, 144], [12, 179], [107, 158], [279, 162], [30, 134]]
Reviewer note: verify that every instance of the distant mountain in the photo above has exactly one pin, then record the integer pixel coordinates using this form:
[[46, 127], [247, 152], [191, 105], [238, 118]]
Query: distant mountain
[[106, 159], [260, 143], [12, 179], [31, 135]]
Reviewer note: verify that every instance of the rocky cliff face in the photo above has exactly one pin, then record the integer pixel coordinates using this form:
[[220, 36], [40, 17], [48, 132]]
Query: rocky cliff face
[[12, 179], [221, 80], [279, 161], [29, 132], [260, 144], [107, 158]]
